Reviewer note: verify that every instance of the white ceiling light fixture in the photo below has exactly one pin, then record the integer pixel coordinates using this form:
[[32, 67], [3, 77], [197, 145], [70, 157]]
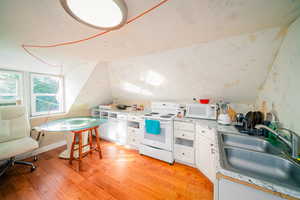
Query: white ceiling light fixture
[[100, 14]]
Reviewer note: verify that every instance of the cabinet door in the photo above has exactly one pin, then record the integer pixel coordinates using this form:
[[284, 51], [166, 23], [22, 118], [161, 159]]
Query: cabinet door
[[204, 157], [234, 191]]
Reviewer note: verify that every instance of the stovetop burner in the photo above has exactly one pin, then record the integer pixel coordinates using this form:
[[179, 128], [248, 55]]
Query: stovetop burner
[[154, 113], [166, 116]]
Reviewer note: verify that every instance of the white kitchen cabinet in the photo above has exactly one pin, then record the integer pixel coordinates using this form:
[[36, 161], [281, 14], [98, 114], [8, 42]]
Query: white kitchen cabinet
[[133, 137], [184, 142], [184, 153], [134, 131], [205, 157], [205, 151], [228, 190]]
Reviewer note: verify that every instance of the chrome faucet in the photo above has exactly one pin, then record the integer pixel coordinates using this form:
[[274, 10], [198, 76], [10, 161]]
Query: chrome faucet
[[294, 139]]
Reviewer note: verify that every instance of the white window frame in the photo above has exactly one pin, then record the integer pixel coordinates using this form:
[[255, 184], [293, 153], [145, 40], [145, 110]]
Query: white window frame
[[19, 88], [33, 96]]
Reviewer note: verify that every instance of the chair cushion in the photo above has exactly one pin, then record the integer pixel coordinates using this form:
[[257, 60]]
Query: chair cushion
[[18, 123], [16, 147], [4, 131]]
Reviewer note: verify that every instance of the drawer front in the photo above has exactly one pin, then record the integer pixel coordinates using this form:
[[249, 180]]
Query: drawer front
[[134, 118], [185, 154], [184, 126], [184, 134], [133, 141], [205, 132], [133, 130]]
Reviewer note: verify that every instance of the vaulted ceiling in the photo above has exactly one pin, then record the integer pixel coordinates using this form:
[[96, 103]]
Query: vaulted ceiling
[[176, 24]]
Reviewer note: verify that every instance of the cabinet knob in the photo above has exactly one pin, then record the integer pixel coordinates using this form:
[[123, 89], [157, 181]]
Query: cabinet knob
[[182, 153], [211, 145], [202, 131], [182, 134]]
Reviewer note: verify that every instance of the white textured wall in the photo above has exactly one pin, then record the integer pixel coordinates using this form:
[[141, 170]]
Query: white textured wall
[[233, 68], [96, 90], [75, 78], [283, 83]]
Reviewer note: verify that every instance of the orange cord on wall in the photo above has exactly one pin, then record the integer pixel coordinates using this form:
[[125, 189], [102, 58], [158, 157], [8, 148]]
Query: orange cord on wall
[[26, 46]]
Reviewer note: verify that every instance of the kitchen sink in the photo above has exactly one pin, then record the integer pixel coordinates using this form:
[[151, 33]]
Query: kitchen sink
[[264, 166], [251, 143], [258, 158]]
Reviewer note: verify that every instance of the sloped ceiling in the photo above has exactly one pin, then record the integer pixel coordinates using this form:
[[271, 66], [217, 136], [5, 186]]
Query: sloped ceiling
[[232, 69], [176, 24]]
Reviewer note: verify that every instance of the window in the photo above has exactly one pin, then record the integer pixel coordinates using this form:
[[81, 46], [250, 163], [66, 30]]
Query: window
[[46, 94], [10, 88]]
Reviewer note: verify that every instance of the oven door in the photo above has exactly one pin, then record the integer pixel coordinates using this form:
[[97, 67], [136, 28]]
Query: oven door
[[162, 140]]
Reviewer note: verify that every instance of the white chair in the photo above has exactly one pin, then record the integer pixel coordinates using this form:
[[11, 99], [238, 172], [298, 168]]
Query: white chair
[[14, 136]]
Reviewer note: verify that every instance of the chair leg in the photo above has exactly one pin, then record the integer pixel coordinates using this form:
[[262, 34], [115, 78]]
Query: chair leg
[[98, 142], [33, 167], [35, 158], [6, 166]]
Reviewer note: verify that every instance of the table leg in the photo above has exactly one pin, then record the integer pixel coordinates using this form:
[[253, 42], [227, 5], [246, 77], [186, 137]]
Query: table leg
[[98, 142], [69, 139], [72, 149], [80, 149], [90, 140]]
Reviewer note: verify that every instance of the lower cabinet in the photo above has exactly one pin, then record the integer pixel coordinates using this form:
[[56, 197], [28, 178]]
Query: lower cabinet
[[184, 142], [133, 137], [185, 154], [228, 190], [205, 157], [205, 151]]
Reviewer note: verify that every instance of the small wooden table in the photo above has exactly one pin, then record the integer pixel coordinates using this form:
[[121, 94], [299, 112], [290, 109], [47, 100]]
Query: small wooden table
[[79, 140], [78, 135]]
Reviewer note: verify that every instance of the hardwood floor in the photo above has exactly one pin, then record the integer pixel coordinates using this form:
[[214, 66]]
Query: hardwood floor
[[122, 174]]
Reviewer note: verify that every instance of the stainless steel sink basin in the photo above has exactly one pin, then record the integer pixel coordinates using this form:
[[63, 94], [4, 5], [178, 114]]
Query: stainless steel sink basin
[[250, 142], [263, 166]]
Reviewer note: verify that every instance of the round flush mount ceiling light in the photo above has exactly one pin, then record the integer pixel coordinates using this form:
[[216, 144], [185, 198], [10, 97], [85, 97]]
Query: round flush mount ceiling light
[[101, 14]]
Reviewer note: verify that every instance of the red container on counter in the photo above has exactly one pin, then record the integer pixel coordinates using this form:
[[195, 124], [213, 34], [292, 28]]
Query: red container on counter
[[204, 101]]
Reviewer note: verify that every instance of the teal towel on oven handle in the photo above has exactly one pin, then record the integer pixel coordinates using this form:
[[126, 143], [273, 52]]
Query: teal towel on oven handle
[[152, 126]]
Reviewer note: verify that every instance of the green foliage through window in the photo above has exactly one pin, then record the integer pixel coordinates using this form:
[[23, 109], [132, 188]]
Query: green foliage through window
[[44, 84], [9, 85]]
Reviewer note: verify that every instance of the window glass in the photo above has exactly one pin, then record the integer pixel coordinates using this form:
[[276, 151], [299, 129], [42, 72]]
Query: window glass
[[10, 88], [46, 94]]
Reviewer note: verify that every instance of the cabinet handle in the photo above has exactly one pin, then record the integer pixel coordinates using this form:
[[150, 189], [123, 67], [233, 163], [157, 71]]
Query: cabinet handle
[[212, 151]]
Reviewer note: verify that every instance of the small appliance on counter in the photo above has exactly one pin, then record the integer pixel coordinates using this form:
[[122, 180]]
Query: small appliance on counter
[[224, 117], [201, 111]]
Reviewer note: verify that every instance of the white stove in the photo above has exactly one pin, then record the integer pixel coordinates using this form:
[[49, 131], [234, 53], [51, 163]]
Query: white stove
[[160, 146], [159, 116]]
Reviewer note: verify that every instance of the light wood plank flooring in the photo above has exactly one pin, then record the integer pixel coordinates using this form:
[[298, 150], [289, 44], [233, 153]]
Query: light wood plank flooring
[[122, 174]]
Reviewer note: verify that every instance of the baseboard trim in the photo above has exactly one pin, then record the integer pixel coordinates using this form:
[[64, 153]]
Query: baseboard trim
[[41, 150]]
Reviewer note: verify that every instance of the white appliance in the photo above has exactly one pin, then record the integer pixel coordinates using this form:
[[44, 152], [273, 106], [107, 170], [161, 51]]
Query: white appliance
[[224, 117], [202, 111], [160, 146]]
